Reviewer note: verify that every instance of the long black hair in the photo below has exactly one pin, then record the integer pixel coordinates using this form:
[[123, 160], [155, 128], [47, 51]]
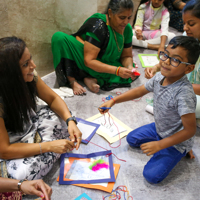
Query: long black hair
[[118, 6], [17, 95]]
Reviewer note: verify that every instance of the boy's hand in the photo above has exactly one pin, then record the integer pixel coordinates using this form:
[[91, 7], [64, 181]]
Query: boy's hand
[[150, 148], [150, 71], [190, 154], [108, 104]]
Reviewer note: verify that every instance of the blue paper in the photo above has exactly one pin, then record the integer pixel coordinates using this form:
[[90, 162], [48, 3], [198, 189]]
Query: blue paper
[[86, 140], [83, 197]]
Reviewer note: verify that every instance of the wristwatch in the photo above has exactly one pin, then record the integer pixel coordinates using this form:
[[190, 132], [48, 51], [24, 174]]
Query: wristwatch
[[20, 183], [70, 119]]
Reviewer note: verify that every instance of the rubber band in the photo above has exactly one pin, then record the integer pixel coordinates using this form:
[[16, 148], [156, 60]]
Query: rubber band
[[115, 195], [113, 100], [118, 93], [106, 150]]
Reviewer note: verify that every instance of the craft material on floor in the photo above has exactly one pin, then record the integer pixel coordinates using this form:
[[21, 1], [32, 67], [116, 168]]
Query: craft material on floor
[[110, 127], [107, 186], [84, 196], [116, 193], [75, 168], [149, 109], [88, 129], [148, 60]]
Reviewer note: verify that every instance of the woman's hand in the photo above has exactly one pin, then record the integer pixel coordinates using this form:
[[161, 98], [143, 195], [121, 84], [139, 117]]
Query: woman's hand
[[38, 188], [75, 133], [108, 104], [125, 73], [150, 148], [61, 146], [133, 70]]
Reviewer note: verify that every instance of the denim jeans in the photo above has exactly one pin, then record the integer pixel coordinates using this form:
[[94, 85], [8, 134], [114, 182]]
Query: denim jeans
[[162, 162]]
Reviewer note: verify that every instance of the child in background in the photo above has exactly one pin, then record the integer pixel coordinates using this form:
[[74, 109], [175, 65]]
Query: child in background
[[172, 134], [151, 27]]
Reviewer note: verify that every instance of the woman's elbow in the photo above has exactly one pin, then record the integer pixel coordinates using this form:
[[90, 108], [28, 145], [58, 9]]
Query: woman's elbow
[[5, 156], [87, 62]]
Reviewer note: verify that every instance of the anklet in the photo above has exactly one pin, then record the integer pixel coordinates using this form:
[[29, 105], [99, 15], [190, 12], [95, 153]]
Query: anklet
[[72, 82]]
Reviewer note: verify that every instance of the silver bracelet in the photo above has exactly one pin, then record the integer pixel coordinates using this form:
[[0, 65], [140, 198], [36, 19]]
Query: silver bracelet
[[40, 148]]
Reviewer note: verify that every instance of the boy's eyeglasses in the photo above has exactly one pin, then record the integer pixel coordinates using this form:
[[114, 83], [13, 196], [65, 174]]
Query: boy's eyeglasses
[[173, 61]]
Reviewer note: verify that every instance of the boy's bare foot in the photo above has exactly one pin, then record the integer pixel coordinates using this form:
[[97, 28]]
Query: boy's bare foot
[[92, 84], [190, 154], [77, 88]]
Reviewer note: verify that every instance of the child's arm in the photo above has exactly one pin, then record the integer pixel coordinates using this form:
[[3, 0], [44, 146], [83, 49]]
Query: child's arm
[[164, 29], [189, 124], [139, 22], [196, 88], [127, 96]]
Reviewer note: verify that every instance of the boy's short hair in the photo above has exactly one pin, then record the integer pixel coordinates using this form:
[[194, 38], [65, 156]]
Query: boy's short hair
[[188, 43]]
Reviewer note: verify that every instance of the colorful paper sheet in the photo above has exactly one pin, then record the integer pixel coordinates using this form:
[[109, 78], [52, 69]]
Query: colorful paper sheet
[[107, 187], [75, 168], [109, 125]]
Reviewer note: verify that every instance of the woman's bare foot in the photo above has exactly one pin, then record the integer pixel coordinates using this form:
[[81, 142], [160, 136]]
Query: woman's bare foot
[[92, 84], [77, 88], [190, 154]]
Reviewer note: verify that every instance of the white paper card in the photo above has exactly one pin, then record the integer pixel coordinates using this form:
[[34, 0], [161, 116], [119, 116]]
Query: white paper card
[[112, 128], [150, 60], [85, 129]]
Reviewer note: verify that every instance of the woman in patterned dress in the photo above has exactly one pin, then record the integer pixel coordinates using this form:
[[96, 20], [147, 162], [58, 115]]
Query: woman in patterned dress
[[30, 141]]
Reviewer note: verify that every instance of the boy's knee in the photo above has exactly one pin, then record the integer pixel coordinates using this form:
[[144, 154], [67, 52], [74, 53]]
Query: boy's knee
[[151, 177], [131, 139]]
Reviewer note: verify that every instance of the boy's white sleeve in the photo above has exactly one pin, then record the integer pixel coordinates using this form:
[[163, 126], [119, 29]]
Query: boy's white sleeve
[[165, 22], [140, 18]]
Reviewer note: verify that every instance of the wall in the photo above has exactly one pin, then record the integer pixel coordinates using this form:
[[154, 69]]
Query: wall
[[35, 21]]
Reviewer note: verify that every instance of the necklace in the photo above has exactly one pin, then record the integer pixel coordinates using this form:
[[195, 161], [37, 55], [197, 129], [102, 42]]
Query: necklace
[[119, 49]]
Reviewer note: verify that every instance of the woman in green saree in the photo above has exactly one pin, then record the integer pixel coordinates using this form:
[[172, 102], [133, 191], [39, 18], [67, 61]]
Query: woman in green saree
[[99, 53]]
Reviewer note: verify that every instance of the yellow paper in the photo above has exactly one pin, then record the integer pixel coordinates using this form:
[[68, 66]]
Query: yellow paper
[[105, 135]]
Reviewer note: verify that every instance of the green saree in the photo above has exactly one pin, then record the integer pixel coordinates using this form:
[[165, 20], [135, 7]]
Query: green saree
[[67, 47]]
